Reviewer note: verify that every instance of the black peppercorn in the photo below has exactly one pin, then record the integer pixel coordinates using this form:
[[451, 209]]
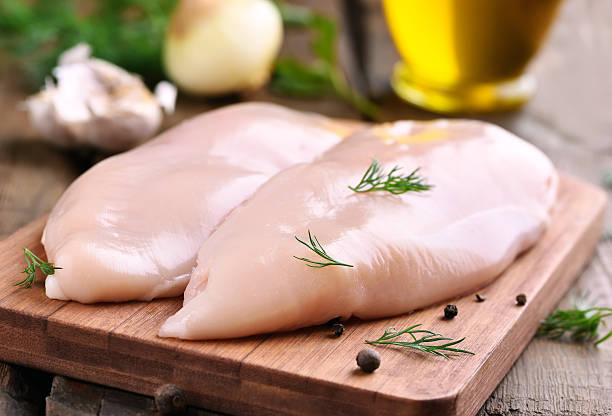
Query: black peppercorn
[[480, 298], [335, 320], [521, 299], [368, 360], [450, 311], [170, 400], [337, 329]]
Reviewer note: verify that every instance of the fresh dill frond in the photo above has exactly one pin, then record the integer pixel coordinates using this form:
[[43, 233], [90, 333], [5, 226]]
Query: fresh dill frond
[[318, 249], [580, 324], [422, 342], [374, 179], [32, 262]]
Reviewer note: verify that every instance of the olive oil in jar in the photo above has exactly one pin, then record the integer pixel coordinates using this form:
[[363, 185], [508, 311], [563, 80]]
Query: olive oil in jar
[[467, 48]]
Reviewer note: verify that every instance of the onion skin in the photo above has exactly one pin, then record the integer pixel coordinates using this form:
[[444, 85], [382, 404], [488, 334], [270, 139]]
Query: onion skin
[[216, 47]]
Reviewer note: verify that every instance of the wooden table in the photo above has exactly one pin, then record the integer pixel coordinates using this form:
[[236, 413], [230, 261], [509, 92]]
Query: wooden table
[[570, 119]]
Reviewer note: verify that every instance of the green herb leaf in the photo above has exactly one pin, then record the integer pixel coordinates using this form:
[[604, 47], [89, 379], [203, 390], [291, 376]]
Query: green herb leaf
[[318, 249], [292, 77], [127, 33], [580, 324], [422, 342], [607, 180], [375, 180], [323, 76], [32, 262], [324, 44]]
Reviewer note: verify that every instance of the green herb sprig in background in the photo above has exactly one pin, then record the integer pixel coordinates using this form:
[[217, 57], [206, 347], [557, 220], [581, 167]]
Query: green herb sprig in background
[[323, 76], [422, 342], [318, 249], [374, 179], [580, 324], [607, 179], [32, 262], [128, 33]]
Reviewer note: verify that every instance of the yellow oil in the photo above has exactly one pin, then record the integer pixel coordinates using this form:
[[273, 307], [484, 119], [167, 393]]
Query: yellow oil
[[455, 44]]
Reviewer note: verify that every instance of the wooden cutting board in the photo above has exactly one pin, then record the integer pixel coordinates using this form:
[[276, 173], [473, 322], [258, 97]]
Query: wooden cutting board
[[306, 371]]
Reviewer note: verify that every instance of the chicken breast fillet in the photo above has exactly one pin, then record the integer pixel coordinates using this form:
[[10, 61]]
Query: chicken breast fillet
[[490, 200], [131, 226]]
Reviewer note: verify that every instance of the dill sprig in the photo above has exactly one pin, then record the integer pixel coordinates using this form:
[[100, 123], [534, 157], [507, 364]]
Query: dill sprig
[[374, 179], [318, 248], [32, 262], [422, 343], [581, 324]]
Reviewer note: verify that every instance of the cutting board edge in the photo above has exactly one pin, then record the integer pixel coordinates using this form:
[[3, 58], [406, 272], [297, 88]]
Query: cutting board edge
[[543, 304]]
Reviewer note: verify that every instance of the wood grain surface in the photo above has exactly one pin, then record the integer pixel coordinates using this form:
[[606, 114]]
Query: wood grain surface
[[307, 371]]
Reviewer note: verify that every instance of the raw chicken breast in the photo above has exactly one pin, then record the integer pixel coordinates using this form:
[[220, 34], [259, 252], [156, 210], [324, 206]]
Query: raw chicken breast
[[131, 226], [490, 201]]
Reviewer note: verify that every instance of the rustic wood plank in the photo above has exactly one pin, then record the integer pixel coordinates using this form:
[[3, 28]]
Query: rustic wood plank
[[22, 391], [582, 372], [71, 397], [33, 175], [9, 406], [303, 372], [584, 378]]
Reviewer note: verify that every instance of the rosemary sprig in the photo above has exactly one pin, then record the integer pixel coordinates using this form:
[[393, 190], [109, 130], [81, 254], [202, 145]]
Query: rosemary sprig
[[32, 262], [581, 324], [318, 248], [422, 343], [375, 180]]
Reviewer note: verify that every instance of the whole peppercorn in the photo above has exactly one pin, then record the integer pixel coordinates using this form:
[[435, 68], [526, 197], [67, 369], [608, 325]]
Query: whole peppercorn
[[368, 360], [521, 299], [337, 329], [480, 298], [170, 400], [335, 320], [450, 311]]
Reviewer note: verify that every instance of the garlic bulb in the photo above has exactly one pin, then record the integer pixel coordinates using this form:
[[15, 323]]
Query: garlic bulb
[[97, 103], [214, 47]]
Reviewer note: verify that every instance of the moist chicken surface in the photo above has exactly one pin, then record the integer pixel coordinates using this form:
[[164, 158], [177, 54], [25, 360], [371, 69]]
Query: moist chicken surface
[[131, 226], [490, 201]]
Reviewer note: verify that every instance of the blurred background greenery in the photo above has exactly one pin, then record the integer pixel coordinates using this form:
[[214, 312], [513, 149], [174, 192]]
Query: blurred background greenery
[[128, 33]]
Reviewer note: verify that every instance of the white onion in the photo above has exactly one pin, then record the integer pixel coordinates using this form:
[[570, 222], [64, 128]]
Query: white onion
[[213, 47]]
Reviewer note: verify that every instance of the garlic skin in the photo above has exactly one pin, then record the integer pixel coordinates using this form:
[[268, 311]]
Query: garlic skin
[[95, 103], [214, 47]]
